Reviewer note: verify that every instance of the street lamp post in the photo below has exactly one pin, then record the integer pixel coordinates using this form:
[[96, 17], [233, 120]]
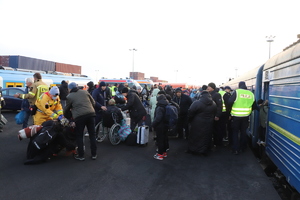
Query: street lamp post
[[270, 39], [133, 50]]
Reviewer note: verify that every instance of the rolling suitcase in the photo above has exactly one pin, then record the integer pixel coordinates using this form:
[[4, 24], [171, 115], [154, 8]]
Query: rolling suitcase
[[142, 135]]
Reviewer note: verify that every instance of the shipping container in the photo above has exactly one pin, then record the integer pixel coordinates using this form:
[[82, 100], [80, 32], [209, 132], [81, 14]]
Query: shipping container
[[4, 61], [23, 62], [67, 68]]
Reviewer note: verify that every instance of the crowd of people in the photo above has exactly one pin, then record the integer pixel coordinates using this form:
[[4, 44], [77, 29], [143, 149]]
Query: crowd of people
[[206, 117]]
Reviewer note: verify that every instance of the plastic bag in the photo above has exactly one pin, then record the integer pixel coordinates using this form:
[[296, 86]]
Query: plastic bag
[[20, 117]]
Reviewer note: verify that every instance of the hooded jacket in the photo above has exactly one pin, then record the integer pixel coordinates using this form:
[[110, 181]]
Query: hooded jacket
[[160, 112], [134, 105], [81, 104], [63, 90]]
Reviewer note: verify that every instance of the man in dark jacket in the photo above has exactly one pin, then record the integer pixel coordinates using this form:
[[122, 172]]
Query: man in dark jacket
[[160, 127], [101, 98], [81, 104], [216, 97], [63, 93], [184, 103], [134, 105], [111, 112]]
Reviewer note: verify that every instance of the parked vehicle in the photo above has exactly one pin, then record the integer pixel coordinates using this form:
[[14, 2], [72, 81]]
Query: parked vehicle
[[12, 103], [130, 82]]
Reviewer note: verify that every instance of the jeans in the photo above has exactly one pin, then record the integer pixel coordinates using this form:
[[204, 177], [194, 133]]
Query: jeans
[[26, 118], [239, 133], [89, 122]]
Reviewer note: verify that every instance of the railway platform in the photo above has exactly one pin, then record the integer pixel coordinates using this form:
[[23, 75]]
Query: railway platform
[[130, 172]]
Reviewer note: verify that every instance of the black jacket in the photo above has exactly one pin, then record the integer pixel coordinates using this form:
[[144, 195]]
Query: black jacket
[[63, 91], [108, 120], [134, 105], [216, 97], [184, 103], [159, 114]]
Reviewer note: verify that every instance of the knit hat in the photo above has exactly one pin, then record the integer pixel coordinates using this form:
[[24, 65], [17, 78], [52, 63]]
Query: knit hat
[[54, 91], [102, 83], [212, 85], [227, 87], [242, 85], [204, 87], [125, 90], [90, 84], [178, 90], [72, 85]]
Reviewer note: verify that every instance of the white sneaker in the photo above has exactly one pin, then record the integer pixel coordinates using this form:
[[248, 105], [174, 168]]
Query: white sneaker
[[86, 134]]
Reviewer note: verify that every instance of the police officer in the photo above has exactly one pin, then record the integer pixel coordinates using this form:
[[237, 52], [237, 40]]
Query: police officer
[[225, 114], [35, 91], [241, 104]]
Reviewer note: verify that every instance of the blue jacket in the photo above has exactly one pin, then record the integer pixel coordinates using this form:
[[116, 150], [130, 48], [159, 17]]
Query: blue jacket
[[99, 96], [25, 103]]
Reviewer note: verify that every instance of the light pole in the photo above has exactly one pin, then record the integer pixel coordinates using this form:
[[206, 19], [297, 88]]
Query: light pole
[[133, 50], [270, 39]]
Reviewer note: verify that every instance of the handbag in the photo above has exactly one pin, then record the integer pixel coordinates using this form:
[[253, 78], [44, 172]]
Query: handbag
[[19, 118]]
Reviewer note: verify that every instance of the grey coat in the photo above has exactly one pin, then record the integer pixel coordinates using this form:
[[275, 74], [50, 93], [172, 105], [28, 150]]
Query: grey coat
[[81, 104]]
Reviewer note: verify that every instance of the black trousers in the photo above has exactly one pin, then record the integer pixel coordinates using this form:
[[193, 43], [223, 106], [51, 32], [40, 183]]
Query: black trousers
[[162, 139], [183, 124]]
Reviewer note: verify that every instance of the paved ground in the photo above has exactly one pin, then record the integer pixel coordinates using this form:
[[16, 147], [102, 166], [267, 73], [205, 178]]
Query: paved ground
[[126, 172]]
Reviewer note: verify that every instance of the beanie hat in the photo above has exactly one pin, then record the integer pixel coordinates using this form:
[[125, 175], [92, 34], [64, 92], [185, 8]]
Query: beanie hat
[[90, 84], [125, 90], [162, 92], [227, 87], [54, 91], [72, 85], [242, 85], [102, 83], [178, 90], [212, 85]]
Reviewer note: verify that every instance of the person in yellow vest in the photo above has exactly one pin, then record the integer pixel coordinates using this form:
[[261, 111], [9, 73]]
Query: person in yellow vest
[[35, 91], [114, 89], [241, 104], [225, 114], [48, 107]]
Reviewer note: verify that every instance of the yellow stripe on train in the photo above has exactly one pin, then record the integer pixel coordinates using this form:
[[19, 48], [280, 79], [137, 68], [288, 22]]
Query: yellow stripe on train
[[285, 133]]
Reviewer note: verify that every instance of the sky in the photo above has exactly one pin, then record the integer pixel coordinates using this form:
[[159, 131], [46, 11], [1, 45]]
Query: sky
[[191, 41]]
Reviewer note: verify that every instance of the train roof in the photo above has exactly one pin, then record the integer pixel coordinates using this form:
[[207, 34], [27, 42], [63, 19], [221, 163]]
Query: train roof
[[288, 54]]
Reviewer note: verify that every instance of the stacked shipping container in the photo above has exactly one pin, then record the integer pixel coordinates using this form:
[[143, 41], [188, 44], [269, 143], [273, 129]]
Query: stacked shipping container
[[4, 61], [137, 75], [23, 62]]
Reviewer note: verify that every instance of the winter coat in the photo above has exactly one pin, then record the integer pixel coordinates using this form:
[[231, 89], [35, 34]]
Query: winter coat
[[216, 97], [184, 103], [81, 104], [100, 98], [201, 116], [159, 115], [135, 106], [47, 109], [108, 120], [153, 102], [63, 91]]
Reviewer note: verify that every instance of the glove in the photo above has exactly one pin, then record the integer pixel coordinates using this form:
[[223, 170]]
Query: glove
[[60, 117]]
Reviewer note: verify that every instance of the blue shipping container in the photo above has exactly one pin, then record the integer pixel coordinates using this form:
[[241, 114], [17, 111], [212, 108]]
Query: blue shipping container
[[23, 62]]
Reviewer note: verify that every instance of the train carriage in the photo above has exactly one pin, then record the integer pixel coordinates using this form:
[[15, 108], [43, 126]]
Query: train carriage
[[278, 81]]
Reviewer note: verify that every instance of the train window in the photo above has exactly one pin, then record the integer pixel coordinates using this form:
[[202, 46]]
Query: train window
[[10, 84]]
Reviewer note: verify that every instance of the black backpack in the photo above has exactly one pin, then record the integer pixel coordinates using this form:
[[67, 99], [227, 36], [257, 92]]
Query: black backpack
[[171, 116]]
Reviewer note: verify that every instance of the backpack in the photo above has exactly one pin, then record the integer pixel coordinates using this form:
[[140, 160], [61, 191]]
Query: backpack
[[171, 116]]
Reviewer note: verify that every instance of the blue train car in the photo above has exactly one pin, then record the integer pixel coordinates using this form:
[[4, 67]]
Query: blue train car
[[11, 78], [278, 81], [281, 85]]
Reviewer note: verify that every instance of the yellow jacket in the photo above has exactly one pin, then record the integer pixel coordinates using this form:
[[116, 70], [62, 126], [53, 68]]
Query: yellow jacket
[[47, 109], [37, 88]]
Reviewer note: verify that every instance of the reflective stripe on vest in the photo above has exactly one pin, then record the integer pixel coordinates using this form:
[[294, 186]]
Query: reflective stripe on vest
[[41, 89], [242, 106], [223, 103]]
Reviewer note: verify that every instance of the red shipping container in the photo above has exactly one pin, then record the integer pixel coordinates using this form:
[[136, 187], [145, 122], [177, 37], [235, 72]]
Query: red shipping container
[[67, 68], [4, 61]]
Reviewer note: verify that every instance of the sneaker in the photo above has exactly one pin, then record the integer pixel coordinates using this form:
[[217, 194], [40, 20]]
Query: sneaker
[[79, 158], [225, 139], [168, 149], [158, 156], [94, 157], [165, 154], [86, 134]]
